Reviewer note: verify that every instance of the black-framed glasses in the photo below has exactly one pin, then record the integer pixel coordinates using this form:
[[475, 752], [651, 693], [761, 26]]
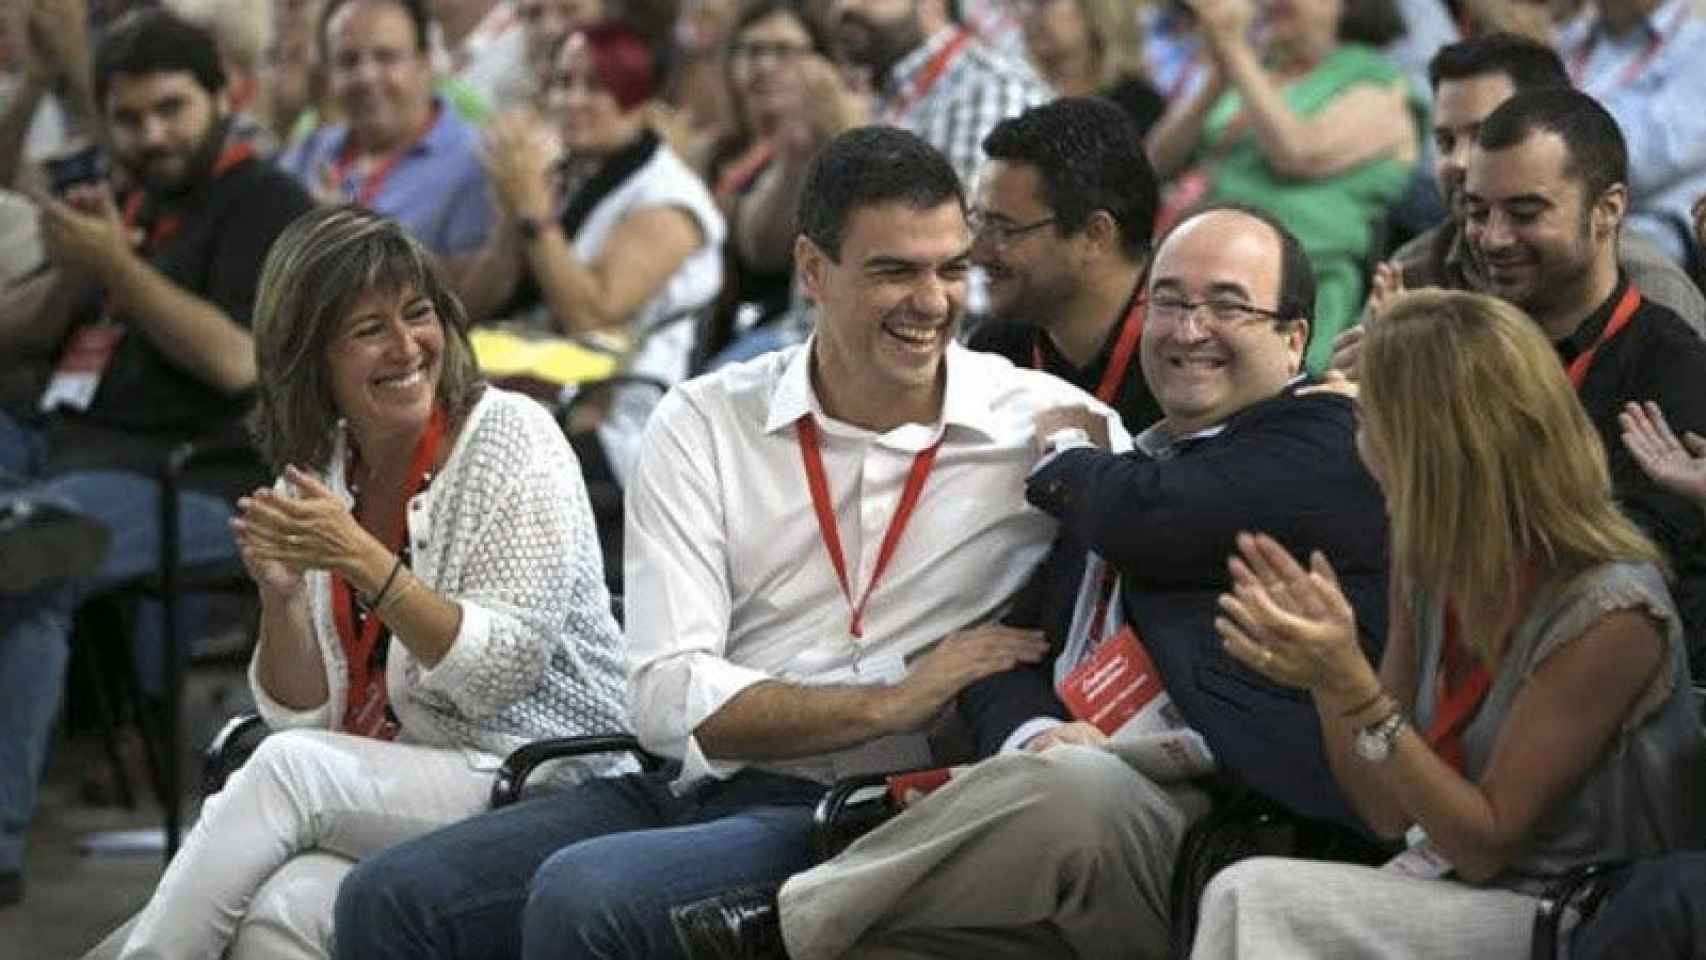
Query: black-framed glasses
[[780, 52], [999, 230], [1219, 313]]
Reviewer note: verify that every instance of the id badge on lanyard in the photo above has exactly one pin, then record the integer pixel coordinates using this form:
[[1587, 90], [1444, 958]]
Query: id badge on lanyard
[[84, 362]]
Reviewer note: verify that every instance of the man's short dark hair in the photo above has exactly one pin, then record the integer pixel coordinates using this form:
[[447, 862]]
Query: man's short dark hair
[[1372, 22], [1527, 64], [1297, 274], [1595, 154], [1089, 157], [867, 166], [416, 9], [155, 40]]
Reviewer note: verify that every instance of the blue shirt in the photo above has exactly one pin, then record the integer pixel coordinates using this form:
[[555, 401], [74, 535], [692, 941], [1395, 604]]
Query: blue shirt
[[437, 189], [1653, 80]]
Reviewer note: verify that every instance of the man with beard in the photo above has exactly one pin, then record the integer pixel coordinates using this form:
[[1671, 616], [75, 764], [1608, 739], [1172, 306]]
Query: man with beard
[[1544, 199], [1065, 206], [146, 301], [931, 75], [1469, 80]]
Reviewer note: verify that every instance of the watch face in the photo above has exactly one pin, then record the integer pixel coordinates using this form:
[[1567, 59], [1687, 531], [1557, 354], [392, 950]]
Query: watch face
[[1371, 746]]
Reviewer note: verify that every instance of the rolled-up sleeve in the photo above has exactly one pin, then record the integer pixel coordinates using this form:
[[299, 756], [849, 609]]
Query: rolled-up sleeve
[[676, 571]]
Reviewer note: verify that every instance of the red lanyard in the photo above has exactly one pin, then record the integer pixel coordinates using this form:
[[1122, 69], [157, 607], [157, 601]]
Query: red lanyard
[[1626, 307], [737, 175], [167, 225], [1579, 56], [1131, 331], [928, 75], [806, 432], [375, 181], [1454, 707], [358, 648]]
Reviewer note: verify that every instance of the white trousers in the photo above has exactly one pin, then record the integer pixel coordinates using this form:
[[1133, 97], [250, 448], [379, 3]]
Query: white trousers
[[1066, 853], [1271, 907], [260, 870]]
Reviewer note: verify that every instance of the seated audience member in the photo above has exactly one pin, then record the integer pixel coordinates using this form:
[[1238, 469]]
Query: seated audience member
[[297, 97], [409, 641], [756, 665], [400, 150], [154, 349], [484, 47], [613, 234], [1469, 80], [933, 76], [1532, 711], [1543, 199], [1063, 213], [1067, 849], [1315, 127], [788, 101], [1641, 59], [1087, 48]]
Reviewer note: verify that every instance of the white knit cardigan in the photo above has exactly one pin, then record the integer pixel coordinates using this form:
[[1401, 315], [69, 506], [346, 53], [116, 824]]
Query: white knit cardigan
[[504, 530]]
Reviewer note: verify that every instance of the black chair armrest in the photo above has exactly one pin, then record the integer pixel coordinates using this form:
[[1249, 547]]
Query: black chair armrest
[[1583, 888], [852, 807], [514, 772], [228, 749]]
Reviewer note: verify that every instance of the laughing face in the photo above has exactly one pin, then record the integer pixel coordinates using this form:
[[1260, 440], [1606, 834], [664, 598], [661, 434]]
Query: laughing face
[[1203, 372], [890, 302], [1529, 225], [384, 360]]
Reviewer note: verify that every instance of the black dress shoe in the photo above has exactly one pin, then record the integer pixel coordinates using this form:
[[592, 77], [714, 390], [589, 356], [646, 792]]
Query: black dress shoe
[[737, 925], [42, 544]]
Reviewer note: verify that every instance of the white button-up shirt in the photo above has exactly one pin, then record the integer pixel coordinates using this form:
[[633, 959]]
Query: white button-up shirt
[[728, 579]]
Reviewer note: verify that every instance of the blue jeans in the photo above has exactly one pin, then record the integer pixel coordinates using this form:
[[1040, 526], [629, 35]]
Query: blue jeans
[[592, 871], [1658, 912], [35, 627]]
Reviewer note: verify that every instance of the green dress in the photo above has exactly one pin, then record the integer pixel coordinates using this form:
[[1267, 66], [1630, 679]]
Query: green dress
[[1337, 219]]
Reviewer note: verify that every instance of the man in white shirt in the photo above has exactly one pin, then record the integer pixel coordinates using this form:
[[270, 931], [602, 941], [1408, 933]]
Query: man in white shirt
[[817, 542]]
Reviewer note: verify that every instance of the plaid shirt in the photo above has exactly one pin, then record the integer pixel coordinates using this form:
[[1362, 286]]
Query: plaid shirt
[[977, 89]]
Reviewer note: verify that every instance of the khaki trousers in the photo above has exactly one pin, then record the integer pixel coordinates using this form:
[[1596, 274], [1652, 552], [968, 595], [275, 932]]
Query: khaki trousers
[[1064, 853]]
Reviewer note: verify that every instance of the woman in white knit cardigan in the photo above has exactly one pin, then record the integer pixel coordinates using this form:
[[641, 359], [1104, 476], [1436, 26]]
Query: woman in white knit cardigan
[[431, 595]]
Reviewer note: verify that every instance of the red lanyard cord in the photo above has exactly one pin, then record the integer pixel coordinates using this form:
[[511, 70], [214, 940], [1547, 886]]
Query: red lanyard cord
[[1119, 362], [812, 458]]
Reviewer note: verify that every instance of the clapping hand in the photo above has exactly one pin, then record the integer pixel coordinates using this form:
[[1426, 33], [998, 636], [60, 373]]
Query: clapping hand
[[83, 232], [1676, 465], [1222, 21], [280, 536], [1289, 624], [518, 152]]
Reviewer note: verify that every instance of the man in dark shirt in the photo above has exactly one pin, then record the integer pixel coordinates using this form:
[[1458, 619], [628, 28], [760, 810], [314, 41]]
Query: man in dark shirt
[[1544, 201], [145, 300], [1065, 206]]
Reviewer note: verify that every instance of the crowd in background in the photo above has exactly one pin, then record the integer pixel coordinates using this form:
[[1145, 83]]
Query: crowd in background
[[311, 207]]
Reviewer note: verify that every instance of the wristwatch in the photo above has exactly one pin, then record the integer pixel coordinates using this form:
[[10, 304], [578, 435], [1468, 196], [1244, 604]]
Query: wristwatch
[[1374, 742]]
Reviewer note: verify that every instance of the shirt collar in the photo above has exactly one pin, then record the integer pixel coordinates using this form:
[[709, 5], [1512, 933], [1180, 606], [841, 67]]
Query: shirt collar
[[1588, 331], [1158, 444], [437, 135], [967, 401], [901, 74]]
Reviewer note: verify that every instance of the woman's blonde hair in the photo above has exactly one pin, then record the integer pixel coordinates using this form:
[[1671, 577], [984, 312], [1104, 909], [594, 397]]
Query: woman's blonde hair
[[316, 271], [1118, 36], [1487, 458]]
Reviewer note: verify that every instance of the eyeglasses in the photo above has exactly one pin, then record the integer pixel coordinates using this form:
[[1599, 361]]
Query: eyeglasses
[[780, 52], [1222, 314], [1000, 231]]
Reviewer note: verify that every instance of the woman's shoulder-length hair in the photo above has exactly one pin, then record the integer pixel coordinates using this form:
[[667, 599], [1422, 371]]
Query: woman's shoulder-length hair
[[1488, 460], [316, 271]]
